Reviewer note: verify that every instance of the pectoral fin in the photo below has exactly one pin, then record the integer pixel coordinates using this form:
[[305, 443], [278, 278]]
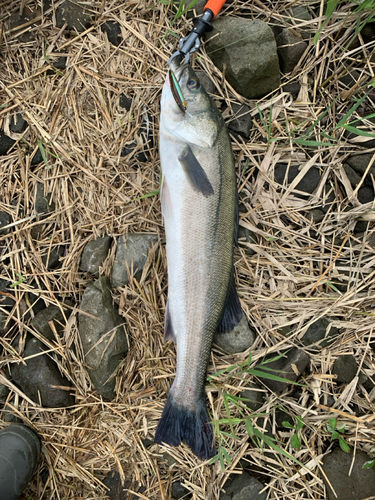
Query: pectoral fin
[[195, 173]]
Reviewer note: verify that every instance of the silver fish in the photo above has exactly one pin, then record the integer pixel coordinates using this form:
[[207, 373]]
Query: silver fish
[[200, 210]]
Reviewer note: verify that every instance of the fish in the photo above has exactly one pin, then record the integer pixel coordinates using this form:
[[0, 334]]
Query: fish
[[199, 202]]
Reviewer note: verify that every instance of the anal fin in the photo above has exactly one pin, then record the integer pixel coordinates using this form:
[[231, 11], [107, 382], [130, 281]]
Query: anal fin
[[232, 310], [169, 333]]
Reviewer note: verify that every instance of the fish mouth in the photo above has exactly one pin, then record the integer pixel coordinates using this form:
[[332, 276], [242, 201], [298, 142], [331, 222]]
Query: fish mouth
[[178, 69]]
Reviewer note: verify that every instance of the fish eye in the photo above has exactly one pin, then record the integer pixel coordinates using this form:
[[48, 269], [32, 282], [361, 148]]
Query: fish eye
[[193, 84]]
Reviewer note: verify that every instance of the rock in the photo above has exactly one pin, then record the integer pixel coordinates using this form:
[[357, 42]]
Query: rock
[[125, 102], [131, 252], [51, 259], [345, 368], [76, 16], [241, 122], [254, 396], [309, 182], [4, 221], [170, 459], [206, 81], [94, 254], [40, 377], [317, 334], [237, 340], [5, 143], [17, 20], [4, 391], [315, 215], [350, 77], [43, 204], [5, 303], [290, 367], [145, 142], [360, 227], [18, 124], [300, 13], [360, 485], [37, 158], [290, 49], [365, 194], [247, 236], [118, 491], [352, 175], [246, 51], [51, 313], [113, 32], [179, 491], [293, 89], [59, 63], [243, 487], [103, 340]]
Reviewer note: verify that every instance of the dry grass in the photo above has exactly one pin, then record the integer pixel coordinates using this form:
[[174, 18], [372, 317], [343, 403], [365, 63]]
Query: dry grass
[[75, 115]]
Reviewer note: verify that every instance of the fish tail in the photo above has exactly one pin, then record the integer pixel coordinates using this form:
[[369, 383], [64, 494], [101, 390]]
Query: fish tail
[[178, 423]]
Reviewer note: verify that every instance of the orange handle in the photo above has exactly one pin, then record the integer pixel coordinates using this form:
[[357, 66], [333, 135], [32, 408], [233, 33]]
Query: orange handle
[[215, 6]]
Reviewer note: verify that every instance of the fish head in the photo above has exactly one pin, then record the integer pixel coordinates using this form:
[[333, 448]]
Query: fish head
[[187, 110]]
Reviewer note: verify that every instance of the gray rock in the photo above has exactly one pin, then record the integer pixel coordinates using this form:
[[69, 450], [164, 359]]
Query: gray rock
[[237, 340], [254, 395], [76, 16], [37, 158], [352, 175], [4, 391], [113, 31], [345, 368], [206, 81], [299, 13], [94, 254], [315, 215], [125, 102], [40, 377], [308, 184], [317, 334], [360, 485], [4, 221], [360, 163], [51, 313], [246, 51], [117, 490], [16, 19], [350, 78], [241, 122], [18, 125], [103, 340], [289, 367], [132, 252], [43, 204], [360, 227], [244, 487], [5, 143], [179, 491], [6, 303], [290, 49], [365, 194]]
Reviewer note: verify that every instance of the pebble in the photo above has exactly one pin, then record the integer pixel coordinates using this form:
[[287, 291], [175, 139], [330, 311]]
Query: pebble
[[132, 251], [6, 303], [37, 158], [240, 122], [18, 124], [51, 258], [57, 64], [290, 49], [16, 19], [307, 184], [359, 485], [113, 32], [125, 102], [316, 334], [117, 490], [4, 391], [179, 491], [5, 143], [352, 175], [51, 313], [365, 194], [243, 487], [39, 376], [43, 203], [345, 368], [4, 221], [103, 340], [293, 89], [248, 51], [284, 367], [237, 340], [254, 396], [360, 163], [94, 254]]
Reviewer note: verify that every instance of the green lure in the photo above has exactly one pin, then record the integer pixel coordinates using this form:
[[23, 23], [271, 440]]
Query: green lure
[[177, 92]]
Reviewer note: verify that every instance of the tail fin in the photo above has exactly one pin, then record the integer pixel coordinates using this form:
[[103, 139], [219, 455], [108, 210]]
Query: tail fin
[[178, 423]]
